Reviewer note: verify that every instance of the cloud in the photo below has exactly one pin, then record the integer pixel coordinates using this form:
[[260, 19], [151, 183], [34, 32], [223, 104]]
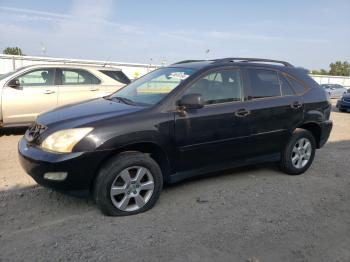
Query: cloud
[[86, 19], [82, 12], [92, 31], [37, 14]]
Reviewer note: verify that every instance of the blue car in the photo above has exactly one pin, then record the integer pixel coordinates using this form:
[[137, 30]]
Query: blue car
[[343, 103]]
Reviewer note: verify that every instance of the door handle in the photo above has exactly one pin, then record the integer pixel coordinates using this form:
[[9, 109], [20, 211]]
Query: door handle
[[296, 105], [94, 88], [47, 92], [242, 112]]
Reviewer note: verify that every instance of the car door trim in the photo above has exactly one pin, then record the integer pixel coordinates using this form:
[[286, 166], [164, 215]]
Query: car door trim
[[198, 145]]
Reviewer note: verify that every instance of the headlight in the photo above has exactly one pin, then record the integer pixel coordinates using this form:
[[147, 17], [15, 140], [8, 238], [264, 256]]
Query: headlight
[[63, 141]]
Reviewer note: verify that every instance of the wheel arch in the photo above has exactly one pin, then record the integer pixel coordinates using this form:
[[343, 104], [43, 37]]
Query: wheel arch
[[315, 130], [154, 150]]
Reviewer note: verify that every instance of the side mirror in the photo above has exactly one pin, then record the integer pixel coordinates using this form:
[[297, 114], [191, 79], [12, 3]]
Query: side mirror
[[14, 83], [191, 101]]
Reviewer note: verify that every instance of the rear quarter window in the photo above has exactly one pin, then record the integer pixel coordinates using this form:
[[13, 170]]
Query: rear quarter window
[[298, 87], [117, 75]]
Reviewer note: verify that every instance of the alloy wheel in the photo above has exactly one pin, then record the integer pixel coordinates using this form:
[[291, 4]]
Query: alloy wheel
[[301, 153], [132, 188]]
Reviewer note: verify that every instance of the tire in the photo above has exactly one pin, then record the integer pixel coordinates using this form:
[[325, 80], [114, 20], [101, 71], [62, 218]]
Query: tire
[[121, 172], [342, 110], [291, 151]]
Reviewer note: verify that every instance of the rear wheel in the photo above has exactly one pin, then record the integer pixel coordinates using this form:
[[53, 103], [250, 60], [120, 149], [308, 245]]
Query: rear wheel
[[342, 110], [128, 184], [299, 153]]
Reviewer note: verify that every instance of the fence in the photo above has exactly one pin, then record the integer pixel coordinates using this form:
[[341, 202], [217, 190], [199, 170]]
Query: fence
[[326, 79], [12, 62], [132, 70]]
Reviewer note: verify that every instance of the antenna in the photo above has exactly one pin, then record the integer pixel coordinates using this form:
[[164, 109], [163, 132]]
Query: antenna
[[43, 49], [107, 60]]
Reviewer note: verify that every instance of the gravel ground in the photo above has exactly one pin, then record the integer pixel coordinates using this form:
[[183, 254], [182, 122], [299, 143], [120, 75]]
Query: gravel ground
[[248, 214]]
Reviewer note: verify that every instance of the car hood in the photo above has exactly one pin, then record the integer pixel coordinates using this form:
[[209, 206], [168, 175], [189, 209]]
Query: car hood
[[86, 112]]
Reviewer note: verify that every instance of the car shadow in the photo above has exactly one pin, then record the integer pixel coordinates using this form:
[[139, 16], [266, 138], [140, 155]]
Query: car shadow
[[9, 131]]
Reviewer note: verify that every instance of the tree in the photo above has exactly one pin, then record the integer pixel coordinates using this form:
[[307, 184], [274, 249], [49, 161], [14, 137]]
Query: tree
[[324, 72], [340, 68], [336, 69], [12, 51]]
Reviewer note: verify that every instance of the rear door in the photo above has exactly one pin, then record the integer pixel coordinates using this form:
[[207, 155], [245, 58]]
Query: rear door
[[275, 110], [37, 94], [77, 85], [216, 134]]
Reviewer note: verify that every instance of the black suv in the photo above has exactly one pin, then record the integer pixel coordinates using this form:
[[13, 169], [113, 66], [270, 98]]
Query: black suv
[[190, 118]]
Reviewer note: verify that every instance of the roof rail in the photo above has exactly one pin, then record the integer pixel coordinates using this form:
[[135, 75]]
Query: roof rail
[[188, 61], [241, 59]]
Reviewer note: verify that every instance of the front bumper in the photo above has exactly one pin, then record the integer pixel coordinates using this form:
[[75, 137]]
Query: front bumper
[[80, 166], [326, 128]]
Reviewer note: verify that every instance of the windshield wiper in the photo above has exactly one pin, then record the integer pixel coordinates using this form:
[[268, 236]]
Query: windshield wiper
[[121, 99]]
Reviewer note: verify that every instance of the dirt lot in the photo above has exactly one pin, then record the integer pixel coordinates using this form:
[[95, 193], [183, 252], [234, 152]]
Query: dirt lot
[[250, 214]]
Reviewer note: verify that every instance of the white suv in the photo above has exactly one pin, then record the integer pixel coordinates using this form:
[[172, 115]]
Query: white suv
[[29, 91]]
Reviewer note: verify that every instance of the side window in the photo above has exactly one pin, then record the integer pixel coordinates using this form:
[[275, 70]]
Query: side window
[[297, 86], [78, 77], [264, 83], [39, 77], [219, 87], [285, 86]]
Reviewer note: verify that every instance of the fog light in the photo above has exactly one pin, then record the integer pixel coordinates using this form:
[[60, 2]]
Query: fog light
[[56, 176]]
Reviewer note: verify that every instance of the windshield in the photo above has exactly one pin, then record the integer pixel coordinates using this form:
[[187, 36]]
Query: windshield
[[151, 88]]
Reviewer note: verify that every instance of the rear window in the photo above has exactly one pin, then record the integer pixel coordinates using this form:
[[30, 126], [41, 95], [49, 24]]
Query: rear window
[[264, 83], [78, 77], [117, 75]]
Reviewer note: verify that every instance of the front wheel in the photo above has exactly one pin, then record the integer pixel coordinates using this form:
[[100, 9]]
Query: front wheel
[[128, 184], [299, 153]]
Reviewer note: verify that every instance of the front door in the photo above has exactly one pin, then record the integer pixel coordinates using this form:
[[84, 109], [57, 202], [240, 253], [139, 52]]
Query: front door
[[37, 94], [217, 133]]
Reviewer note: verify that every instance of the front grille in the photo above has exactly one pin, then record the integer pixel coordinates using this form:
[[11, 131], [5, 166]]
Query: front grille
[[34, 131]]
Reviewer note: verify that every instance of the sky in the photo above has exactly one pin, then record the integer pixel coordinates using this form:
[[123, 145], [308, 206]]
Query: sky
[[311, 34]]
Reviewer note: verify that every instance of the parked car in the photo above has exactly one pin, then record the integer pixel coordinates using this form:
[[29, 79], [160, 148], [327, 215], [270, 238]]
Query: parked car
[[334, 90], [31, 90], [184, 120], [343, 104]]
